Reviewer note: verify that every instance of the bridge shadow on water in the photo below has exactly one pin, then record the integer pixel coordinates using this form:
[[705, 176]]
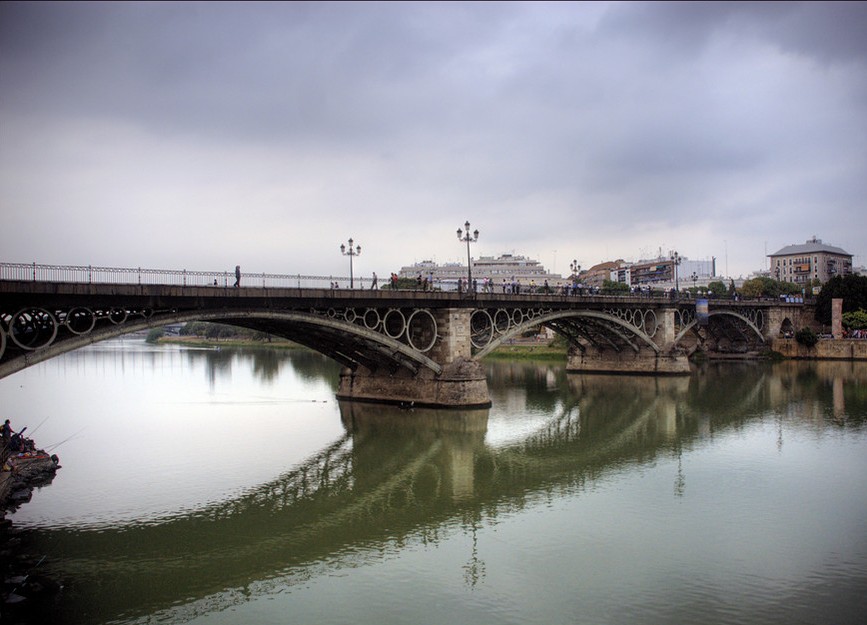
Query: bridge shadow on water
[[400, 477]]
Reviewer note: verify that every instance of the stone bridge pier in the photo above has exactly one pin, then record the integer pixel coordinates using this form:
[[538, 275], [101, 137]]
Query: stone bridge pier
[[459, 382]]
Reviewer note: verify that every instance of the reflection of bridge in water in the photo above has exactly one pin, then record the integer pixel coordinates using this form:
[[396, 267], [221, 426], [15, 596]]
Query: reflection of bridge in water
[[398, 475], [397, 346]]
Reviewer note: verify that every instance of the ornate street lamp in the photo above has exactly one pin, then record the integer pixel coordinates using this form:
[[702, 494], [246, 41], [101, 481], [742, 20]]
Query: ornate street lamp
[[675, 261], [694, 278], [350, 253], [575, 268], [469, 238]]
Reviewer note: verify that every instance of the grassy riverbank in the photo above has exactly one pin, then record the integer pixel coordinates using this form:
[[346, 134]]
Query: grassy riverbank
[[529, 351], [201, 341]]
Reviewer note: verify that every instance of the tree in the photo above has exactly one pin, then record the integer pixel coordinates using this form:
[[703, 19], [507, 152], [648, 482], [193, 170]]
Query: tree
[[154, 335], [856, 320], [717, 287], [768, 287], [853, 291], [610, 287]]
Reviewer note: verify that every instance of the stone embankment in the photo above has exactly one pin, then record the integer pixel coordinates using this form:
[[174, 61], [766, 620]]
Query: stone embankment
[[25, 594], [825, 349]]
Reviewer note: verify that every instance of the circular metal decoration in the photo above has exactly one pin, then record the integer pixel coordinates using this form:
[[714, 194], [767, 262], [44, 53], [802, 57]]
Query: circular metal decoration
[[117, 315], [80, 320], [394, 323], [481, 329], [421, 330], [502, 320], [517, 317], [759, 319], [371, 319], [349, 315], [650, 323], [32, 328], [331, 313]]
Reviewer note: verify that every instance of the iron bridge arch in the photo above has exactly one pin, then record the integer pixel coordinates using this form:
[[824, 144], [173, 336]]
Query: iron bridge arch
[[392, 338], [753, 321], [618, 328]]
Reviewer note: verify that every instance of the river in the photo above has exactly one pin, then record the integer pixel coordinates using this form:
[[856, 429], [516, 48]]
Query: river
[[224, 486]]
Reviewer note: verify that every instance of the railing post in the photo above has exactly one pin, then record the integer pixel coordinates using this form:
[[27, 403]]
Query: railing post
[[34, 272], [89, 274], [185, 277], [139, 276]]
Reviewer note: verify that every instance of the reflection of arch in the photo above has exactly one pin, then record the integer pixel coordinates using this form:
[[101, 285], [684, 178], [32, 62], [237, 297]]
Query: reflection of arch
[[692, 324], [620, 328]]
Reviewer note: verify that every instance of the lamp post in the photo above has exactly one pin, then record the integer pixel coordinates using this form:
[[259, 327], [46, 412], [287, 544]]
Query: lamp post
[[575, 268], [694, 277], [350, 253], [675, 261], [469, 238]]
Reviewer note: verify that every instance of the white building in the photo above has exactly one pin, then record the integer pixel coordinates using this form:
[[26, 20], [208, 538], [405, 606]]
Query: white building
[[506, 267]]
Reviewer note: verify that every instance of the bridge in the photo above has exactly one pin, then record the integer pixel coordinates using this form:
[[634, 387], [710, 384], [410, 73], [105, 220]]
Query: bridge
[[401, 346]]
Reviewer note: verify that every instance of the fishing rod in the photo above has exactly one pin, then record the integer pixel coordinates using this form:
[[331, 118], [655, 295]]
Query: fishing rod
[[40, 425], [56, 445], [22, 582]]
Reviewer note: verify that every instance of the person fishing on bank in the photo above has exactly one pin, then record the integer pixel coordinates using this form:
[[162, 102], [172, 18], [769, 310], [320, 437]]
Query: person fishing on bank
[[6, 433]]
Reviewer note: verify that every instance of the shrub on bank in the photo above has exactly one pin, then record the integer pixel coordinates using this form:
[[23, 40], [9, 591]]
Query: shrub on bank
[[806, 337]]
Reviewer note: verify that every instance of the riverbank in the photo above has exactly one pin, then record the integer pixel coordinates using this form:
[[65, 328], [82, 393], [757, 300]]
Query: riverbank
[[202, 341], [26, 596]]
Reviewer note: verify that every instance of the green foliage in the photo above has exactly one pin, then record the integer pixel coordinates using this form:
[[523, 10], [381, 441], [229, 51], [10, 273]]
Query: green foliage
[[222, 331], [610, 287], [806, 337], [154, 335], [717, 287], [404, 284], [856, 320], [768, 287], [853, 290]]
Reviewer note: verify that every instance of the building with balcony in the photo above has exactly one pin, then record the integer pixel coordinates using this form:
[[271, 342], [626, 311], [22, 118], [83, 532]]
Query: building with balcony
[[508, 267], [808, 261]]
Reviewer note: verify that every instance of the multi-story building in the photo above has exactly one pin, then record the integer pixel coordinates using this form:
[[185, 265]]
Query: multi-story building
[[661, 272], [808, 261], [506, 267]]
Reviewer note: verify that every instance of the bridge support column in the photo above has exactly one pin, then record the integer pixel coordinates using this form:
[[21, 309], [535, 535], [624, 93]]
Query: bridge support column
[[461, 383], [669, 360]]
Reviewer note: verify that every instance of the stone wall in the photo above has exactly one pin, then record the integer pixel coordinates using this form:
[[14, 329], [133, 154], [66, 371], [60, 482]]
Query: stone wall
[[825, 349]]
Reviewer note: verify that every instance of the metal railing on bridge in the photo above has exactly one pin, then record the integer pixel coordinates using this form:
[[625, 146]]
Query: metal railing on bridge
[[89, 274]]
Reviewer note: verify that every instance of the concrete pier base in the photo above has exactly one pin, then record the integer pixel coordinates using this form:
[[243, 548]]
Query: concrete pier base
[[461, 384], [642, 362]]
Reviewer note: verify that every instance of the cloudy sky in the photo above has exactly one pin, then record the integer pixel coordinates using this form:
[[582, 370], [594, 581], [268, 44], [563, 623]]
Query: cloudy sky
[[201, 136]]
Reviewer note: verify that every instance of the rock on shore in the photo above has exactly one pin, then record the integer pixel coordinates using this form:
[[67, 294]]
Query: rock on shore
[[26, 595]]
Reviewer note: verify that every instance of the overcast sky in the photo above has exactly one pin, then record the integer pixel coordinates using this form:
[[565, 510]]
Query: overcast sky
[[202, 136]]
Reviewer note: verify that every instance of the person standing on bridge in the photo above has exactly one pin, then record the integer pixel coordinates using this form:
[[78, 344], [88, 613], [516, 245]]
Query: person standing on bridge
[[373, 285], [237, 276]]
